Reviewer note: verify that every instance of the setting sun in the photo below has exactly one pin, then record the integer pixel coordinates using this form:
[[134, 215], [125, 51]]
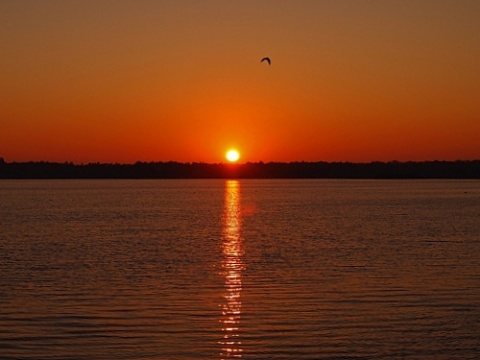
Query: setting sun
[[232, 155]]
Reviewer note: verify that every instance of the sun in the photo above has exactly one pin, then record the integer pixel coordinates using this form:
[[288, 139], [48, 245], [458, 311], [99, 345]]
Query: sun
[[232, 155]]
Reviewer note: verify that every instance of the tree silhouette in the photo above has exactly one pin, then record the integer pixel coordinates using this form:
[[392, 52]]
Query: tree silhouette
[[258, 170]]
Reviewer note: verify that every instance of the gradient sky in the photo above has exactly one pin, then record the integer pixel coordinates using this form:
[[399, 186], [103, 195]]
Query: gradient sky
[[121, 81]]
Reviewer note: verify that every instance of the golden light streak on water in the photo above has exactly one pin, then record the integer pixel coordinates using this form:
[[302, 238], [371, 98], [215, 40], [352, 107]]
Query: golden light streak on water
[[232, 267]]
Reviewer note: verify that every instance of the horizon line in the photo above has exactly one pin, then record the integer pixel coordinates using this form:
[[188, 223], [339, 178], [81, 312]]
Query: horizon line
[[69, 162]]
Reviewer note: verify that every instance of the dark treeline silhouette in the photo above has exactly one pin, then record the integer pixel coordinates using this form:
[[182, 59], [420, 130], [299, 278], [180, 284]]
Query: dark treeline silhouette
[[271, 170]]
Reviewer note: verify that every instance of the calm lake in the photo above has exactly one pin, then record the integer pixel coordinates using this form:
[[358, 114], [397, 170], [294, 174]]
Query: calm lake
[[251, 269]]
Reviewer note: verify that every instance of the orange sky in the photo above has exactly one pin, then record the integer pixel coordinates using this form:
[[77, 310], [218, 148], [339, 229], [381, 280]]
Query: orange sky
[[121, 81]]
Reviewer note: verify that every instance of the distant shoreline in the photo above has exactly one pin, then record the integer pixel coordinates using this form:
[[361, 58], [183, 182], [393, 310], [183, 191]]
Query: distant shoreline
[[258, 170]]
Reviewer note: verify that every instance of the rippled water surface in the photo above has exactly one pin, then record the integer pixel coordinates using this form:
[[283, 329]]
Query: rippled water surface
[[252, 269]]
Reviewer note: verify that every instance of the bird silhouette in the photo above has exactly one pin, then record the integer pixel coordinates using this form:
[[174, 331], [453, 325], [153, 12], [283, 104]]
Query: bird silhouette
[[267, 59]]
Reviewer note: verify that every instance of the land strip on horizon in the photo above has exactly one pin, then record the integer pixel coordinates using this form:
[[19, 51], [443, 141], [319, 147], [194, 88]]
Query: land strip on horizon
[[258, 170]]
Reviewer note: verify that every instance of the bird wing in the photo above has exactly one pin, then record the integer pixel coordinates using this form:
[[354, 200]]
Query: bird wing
[[267, 59]]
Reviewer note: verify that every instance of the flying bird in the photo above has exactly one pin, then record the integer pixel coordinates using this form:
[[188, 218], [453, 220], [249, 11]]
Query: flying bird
[[267, 59]]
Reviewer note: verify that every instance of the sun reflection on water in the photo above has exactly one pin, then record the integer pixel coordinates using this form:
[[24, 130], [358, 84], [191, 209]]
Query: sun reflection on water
[[232, 267]]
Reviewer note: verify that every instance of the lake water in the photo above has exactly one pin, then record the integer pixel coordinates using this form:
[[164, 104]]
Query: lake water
[[251, 269]]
